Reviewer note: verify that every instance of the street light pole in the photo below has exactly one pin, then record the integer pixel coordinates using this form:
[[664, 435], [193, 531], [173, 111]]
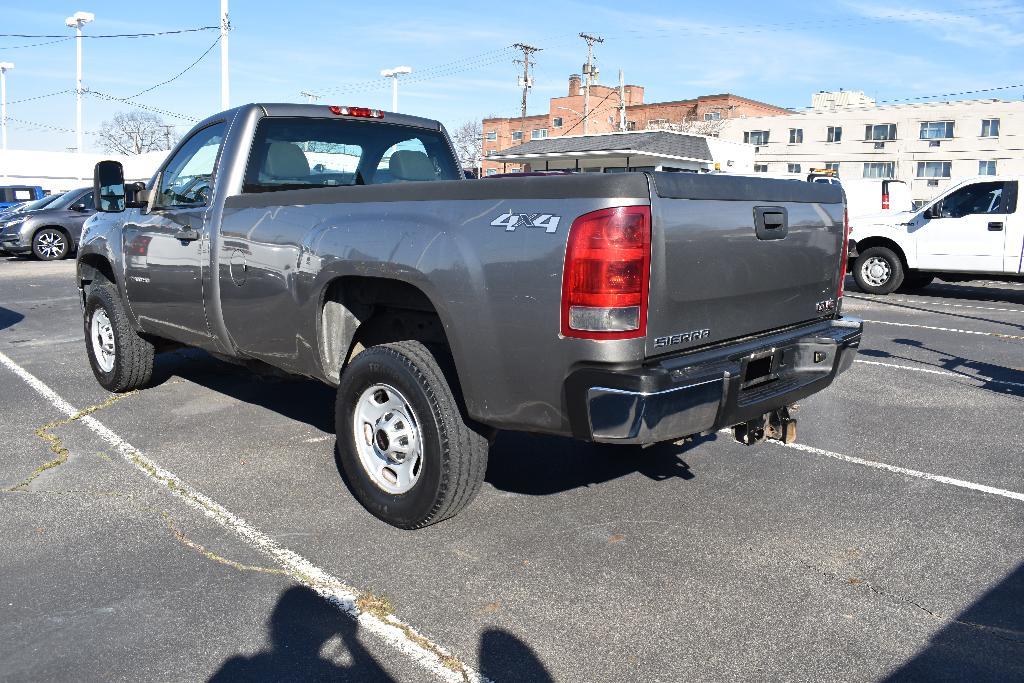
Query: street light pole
[[4, 68], [393, 74], [77, 21], [225, 77]]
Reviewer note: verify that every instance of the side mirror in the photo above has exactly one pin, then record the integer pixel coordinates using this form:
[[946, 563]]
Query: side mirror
[[80, 207], [108, 186]]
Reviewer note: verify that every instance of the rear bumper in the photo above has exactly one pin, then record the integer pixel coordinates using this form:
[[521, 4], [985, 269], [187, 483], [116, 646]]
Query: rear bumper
[[699, 392]]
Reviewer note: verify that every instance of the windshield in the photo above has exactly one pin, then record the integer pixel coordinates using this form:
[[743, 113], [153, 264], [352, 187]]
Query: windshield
[[295, 153], [69, 198], [41, 203]]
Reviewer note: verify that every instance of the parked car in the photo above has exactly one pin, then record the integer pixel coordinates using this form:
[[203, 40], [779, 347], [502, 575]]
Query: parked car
[[51, 232], [627, 308], [974, 229], [18, 194], [11, 211]]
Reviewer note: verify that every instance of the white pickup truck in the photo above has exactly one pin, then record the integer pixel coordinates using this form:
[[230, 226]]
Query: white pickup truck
[[973, 230]]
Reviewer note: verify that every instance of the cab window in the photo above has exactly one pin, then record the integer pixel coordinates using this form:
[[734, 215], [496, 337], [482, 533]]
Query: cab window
[[978, 198], [187, 180]]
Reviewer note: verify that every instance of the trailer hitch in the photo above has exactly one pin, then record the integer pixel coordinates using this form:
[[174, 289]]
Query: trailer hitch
[[777, 425]]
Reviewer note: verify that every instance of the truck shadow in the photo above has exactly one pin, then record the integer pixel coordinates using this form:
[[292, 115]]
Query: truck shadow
[[998, 379], [982, 643], [9, 318], [946, 313], [542, 465], [300, 399], [952, 290], [310, 639]]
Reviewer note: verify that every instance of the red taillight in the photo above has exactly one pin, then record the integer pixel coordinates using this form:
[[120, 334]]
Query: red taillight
[[361, 112], [844, 250], [885, 202], [607, 274]]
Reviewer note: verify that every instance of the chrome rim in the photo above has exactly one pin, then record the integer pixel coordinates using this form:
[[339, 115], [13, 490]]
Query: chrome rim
[[876, 271], [388, 439], [101, 335], [51, 244]]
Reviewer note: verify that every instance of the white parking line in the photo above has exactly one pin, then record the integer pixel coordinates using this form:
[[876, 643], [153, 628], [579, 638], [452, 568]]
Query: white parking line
[[944, 373], [904, 471], [946, 329], [929, 302], [395, 633]]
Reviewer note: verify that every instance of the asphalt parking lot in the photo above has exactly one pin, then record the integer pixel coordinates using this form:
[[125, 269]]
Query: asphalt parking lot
[[199, 528]]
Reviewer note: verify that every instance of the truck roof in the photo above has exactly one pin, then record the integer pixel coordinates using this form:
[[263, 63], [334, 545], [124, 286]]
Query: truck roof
[[324, 111]]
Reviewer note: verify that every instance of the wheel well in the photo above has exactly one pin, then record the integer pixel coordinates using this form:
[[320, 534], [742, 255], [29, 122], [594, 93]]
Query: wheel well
[[358, 312], [865, 244], [92, 267]]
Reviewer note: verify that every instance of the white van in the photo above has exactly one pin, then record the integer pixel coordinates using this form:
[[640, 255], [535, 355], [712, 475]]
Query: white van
[[975, 228]]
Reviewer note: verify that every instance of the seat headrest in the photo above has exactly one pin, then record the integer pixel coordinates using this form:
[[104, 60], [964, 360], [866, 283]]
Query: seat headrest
[[286, 160], [409, 164]]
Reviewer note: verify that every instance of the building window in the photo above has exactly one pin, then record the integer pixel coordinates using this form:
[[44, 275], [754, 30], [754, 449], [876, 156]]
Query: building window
[[556, 122], [832, 166], [760, 168], [986, 168], [990, 128], [517, 135], [835, 133], [796, 135], [933, 169], [492, 171], [538, 133], [879, 169], [491, 135], [880, 131], [756, 137], [793, 168], [712, 116], [936, 130]]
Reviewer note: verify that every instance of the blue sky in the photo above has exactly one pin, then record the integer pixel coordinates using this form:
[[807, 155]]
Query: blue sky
[[779, 52]]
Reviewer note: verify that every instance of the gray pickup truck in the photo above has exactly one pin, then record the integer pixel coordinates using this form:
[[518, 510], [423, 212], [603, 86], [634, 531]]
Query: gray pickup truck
[[343, 244]]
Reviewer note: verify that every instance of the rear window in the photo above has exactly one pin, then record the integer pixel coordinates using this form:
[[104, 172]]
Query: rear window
[[300, 153]]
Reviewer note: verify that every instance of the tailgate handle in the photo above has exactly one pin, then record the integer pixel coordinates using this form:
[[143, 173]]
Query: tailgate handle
[[771, 222]]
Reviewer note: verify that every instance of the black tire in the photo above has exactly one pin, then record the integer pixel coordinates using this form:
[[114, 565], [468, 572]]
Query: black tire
[[453, 452], [914, 281], [133, 355], [878, 270], [51, 244]]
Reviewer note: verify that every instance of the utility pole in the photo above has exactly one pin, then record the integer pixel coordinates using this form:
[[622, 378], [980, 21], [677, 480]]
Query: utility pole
[[311, 97], [590, 74], [526, 62], [4, 68], [167, 134], [77, 21], [225, 77], [622, 102]]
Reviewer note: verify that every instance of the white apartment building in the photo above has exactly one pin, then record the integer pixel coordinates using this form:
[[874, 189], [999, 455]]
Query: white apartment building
[[928, 145]]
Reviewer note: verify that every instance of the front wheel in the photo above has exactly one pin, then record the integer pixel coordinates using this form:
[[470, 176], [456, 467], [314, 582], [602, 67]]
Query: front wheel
[[407, 452], [121, 360], [50, 244], [878, 270]]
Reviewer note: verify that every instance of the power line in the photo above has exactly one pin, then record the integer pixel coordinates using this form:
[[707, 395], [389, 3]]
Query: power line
[[115, 35], [569, 130], [48, 42], [156, 110], [39, 97], [180, 73]]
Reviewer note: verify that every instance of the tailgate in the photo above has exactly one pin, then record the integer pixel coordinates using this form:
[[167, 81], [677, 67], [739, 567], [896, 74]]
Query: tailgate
[[724, 265]]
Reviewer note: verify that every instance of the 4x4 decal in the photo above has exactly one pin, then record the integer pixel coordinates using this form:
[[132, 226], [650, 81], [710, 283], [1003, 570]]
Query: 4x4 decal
[[510, 221]]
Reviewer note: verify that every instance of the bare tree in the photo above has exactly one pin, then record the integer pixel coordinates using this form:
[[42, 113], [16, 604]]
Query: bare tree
[[136, 132], [469, 143]]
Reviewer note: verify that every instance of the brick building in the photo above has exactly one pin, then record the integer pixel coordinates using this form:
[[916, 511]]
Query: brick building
[[703, 115]]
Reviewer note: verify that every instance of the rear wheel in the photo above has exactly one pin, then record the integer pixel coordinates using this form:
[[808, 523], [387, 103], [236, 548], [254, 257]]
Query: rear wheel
[[50, 244], [407, 452], [121, 360], [878, 270]]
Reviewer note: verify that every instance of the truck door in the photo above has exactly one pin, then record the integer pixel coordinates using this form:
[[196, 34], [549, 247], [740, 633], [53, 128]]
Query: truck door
[[165, 249], [1013, 253], [965, 230]]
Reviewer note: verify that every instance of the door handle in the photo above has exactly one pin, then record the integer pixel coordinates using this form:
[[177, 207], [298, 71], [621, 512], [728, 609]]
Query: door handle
[[187, 235], [995, 226]]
